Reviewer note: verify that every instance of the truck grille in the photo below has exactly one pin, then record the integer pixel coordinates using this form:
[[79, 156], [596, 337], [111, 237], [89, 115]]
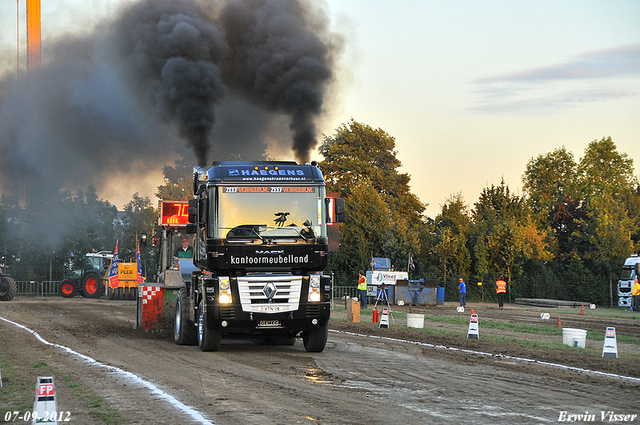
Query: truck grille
[[227, 313], [269, 294], [313, 311]]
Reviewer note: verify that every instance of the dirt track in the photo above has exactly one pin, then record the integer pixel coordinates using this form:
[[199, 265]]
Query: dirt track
[[357, 379]]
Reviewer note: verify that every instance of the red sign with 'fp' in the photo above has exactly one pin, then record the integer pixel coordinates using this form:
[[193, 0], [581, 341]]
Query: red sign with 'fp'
[[45, 390]]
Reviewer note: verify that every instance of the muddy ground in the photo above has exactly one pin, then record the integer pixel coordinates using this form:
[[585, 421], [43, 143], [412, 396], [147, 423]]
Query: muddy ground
[[366, 375]]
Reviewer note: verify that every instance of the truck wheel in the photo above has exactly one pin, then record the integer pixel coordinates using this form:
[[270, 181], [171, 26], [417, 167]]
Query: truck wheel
[[8, 288], [315, 340], [92, 285], [110, 293], [133, 293], [208, 339], [67, 288], [184, 333]]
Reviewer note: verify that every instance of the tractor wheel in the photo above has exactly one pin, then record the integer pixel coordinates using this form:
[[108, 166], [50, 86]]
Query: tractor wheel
[[315, 340], [184, 333], [126, 290], [118, 293], [8, 288], [208, 339], [67, 288], [110, 293], [133, 293], [92, 285]]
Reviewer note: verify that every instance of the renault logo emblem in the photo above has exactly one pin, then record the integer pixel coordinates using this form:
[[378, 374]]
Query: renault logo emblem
[[269, 291]]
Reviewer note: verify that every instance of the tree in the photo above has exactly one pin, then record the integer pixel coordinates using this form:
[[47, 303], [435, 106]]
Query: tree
[[505, 235], [139, 217], [547, 180], [358, 151], [607, 233], [364, 231], [452, 228], [359, 160], [604, 170], [178, 182], [606, 183]]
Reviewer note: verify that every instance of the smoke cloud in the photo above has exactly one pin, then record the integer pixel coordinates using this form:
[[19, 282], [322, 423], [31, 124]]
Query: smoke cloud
[[166, 79]]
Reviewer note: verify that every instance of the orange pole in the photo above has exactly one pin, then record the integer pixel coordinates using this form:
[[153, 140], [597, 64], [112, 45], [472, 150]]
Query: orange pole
[[18, 39], [33, 34]]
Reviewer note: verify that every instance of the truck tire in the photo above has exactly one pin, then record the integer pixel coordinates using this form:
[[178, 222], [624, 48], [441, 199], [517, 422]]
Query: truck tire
[[8, 288], [316, 339], [208, 339], [184, 333], [67, 288], [133, 293], [118, 293], [92, 285], [110, 293]]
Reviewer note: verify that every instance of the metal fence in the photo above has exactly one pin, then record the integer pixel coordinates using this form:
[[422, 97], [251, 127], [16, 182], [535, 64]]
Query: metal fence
[[40, 289], [340, 292]]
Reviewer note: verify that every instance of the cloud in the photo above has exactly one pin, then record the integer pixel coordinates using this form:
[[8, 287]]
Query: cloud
[[608, 63], [595, 76]]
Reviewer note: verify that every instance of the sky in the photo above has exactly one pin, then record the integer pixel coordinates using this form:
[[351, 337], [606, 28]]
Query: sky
[[471, 91]]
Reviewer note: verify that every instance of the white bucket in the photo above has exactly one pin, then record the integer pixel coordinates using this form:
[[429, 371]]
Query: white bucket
[[415, 320], [574, 337]]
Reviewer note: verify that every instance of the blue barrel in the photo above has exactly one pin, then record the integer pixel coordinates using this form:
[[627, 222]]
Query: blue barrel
[[440, 296]]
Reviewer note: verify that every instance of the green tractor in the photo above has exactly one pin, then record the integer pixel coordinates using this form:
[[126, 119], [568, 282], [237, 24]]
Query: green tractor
[[87, 282]]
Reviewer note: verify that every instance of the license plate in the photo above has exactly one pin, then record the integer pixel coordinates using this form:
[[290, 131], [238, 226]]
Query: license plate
[[270, 308], [269, 324]]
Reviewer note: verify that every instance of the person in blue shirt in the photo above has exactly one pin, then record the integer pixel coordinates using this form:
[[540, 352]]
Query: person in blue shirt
[[463, 292]]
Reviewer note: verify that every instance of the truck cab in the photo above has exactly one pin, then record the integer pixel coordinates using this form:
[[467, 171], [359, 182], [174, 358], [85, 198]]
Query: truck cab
[[625, 284], [260, 246]]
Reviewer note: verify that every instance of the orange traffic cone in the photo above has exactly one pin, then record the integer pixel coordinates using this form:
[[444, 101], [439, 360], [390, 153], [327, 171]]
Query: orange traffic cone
[[582, 310], [559, 324], [473, 312]]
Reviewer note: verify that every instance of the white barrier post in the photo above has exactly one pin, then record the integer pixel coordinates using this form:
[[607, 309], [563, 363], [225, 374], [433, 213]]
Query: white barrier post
[[44, 406], [384, 319], [610, 347], [473, 327]]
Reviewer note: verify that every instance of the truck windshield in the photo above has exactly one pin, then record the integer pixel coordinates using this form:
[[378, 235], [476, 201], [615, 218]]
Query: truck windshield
[[261, 212], [628, 274]]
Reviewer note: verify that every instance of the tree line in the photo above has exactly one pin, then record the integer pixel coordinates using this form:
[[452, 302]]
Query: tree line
[[564, 237]]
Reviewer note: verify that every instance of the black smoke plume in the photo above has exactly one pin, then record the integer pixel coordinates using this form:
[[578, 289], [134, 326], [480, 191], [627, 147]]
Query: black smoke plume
[[162, 80], [222, 78]]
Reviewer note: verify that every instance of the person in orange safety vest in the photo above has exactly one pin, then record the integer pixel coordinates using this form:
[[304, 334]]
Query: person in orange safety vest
[[501, 290]]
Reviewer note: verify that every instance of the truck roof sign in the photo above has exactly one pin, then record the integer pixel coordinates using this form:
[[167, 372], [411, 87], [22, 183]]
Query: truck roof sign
[[174, 213], [263, 171]]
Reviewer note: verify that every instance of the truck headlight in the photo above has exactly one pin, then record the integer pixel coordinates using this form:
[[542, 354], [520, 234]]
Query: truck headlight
[[314, 289], [225, 291]]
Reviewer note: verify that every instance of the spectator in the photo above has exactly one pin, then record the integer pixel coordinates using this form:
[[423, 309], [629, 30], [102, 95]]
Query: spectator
[[635, 296], [501, 290], [462, 288], [362, 289]]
